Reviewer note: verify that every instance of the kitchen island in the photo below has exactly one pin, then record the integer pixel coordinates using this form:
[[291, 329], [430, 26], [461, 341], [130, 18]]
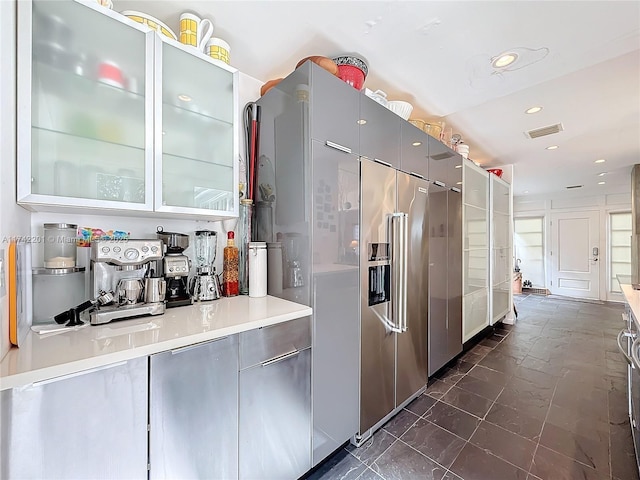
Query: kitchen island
[[186, 394], [629, 346]]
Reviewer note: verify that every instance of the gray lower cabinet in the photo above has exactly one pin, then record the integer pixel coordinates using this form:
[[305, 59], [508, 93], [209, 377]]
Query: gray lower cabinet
[[91, 424], [445, 276], [194, 411], [275, 401]]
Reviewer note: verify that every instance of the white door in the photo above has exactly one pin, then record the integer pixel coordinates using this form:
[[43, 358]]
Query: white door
[[574, 254]]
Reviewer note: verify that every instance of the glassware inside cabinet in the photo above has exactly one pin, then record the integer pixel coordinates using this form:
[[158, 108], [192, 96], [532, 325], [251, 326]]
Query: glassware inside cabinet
[[197, 132], [88, 135]]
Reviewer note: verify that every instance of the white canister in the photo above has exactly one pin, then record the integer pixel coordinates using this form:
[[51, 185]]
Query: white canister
[[274, 268], [257, 269]]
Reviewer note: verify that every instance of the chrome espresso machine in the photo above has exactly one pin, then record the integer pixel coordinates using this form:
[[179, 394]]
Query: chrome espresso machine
[[123, 281]]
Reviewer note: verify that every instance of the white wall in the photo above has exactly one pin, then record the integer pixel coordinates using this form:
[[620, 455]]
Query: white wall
[[604, 204], [16, 221]]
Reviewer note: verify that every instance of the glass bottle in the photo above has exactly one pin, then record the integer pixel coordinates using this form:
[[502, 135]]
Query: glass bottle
[[244, 237], [230, 287]]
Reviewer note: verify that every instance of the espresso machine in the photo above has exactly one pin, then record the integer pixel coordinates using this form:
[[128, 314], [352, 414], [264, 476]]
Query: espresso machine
[[205, 285], [175, 267], [122, 280]]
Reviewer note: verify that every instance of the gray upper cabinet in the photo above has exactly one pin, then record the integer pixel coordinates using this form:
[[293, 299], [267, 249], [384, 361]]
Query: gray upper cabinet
[[414, 150], [194, 411], [454, 171], [90, 424], [441, 158], [379, 132], [334, 112]]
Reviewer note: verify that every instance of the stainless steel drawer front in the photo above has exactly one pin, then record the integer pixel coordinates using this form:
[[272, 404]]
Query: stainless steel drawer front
[[267, 343]]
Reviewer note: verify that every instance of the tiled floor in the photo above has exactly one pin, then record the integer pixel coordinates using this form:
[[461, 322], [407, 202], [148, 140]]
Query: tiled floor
[[544, 399]]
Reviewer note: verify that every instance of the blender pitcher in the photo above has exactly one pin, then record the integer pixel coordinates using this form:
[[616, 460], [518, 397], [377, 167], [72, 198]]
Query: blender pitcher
[[205, 250]]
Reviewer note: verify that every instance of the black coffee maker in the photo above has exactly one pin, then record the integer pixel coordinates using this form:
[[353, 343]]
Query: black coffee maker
[[175, 267]]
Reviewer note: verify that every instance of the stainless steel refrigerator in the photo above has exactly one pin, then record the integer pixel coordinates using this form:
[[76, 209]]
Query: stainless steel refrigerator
[[394, 255]]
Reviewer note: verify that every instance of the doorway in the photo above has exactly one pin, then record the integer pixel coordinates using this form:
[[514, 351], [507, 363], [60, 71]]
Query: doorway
[[529, 250], [574, 255]]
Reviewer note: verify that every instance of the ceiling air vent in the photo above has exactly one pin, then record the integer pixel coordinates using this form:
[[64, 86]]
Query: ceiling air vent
[[573, 186], [544, 131]]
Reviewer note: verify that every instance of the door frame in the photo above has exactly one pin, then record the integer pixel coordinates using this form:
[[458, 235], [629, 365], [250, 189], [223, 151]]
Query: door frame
[[554, 216]]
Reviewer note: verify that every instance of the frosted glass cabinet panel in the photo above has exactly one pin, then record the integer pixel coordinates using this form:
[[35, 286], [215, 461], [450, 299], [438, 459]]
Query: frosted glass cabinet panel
[[476, 308], [87, 84], [501, 195], [476, 249], [477, 270], [501, 248], [476, 186], [476, 227], [196, 137], [113, 115]]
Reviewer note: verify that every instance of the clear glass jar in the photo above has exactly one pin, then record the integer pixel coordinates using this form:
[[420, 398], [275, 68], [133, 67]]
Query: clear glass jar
[[244, 237], [60, 245]]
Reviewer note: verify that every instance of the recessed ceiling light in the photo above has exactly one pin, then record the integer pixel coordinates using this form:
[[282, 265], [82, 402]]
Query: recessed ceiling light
[[362, 121], [526, 191], [602, 174], [601, 183], [552, 147], [184, 98], [458, 166], [416, 144], [601, 160], [504, 60], [533, 110]]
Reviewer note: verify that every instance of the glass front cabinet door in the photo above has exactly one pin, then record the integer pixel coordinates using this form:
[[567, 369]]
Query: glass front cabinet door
[[84, 107], [112, 115], [196, 110]]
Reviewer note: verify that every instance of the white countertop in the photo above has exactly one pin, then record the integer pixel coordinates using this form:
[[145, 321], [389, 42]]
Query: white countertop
[[633, 299], [53, 355]]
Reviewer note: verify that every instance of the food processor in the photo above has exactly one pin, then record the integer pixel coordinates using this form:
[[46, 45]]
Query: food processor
[[205, 285]]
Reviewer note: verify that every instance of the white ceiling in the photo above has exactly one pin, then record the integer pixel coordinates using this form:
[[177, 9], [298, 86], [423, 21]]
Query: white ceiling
[[580, 60]]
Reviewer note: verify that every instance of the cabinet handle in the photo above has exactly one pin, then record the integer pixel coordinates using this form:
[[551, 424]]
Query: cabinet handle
[[382, 162], [438, 183], [337, 146], [455, 189], [624, 333], [75, 374], [416, 175], [293, 353], [175, 351]]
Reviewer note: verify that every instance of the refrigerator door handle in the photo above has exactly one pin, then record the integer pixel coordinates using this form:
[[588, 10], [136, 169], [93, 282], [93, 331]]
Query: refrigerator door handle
[[399, 248], [405, 268]]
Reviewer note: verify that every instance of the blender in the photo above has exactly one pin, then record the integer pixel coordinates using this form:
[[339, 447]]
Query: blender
[[205, 284]]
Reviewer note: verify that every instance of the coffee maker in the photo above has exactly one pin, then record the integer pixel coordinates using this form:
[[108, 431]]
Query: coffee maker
[[122, 282], [205, 284], [175, 267]]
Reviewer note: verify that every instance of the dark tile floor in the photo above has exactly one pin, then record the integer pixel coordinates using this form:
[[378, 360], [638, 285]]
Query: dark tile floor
[[544, 399]]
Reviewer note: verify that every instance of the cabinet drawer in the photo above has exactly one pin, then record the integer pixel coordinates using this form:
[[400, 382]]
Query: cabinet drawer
[[267, 343]]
